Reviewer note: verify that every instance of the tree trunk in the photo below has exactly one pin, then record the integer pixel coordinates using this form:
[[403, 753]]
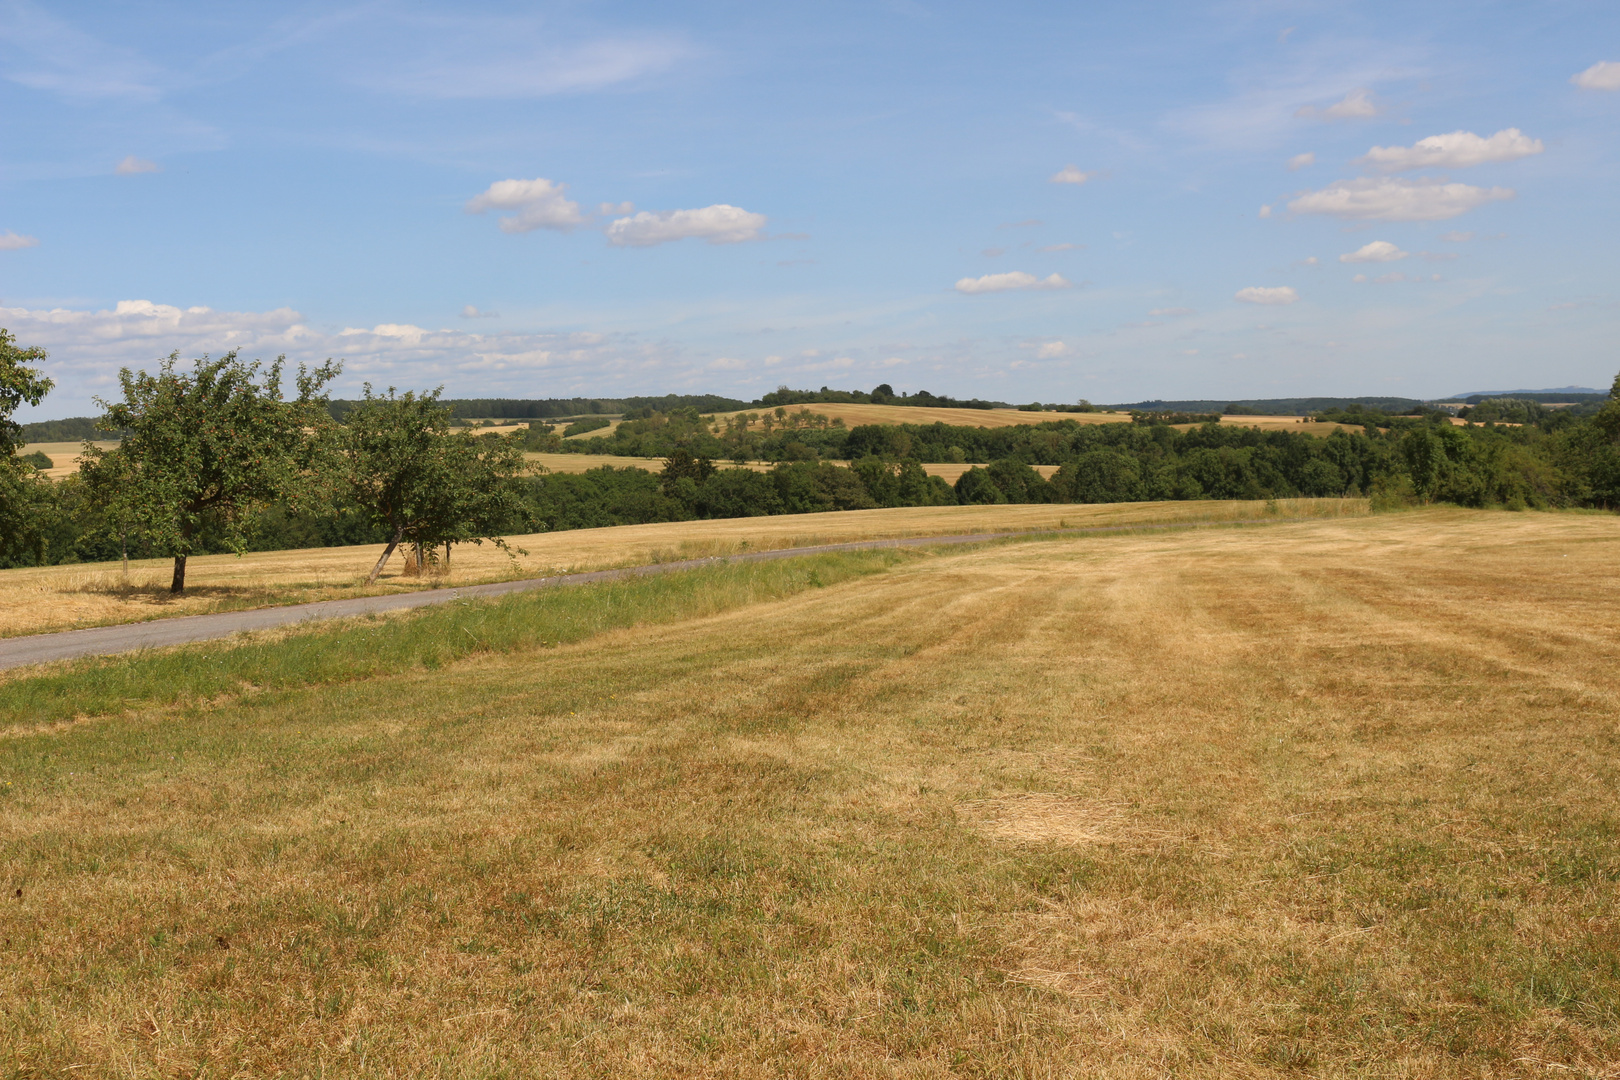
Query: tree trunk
[[447, 556], [178, 584], [387, 551]]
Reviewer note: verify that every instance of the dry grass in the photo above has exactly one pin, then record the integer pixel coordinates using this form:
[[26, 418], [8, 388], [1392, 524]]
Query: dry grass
[[1331, 799], [64, 456], [94, 594]]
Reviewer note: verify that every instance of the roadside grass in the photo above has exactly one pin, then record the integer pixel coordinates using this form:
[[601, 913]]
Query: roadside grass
[[1328, 799], [41, 599], [426, 638]]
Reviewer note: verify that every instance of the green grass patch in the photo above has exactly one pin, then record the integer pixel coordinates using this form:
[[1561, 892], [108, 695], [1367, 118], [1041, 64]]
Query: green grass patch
[[424, 639]]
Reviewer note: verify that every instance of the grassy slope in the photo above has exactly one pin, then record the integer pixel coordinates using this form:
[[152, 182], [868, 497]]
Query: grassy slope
[[66, 597], [1335, 797]]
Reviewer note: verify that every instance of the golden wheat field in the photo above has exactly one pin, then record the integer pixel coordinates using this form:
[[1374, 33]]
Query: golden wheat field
[[92, 594], [1331, 798]]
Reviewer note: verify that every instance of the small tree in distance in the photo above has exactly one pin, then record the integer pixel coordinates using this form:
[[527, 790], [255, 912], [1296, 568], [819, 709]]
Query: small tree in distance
[[426, 485], [208, 448]]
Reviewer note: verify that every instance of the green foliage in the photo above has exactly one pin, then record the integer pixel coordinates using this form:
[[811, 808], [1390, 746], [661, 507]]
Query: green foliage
[[39, 460], [25, 498], [73, 429], [423, 483], [590, 423], [208, 449]]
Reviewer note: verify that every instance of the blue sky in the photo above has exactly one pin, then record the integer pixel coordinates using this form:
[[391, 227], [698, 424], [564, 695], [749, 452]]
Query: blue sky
[[1018, 201]]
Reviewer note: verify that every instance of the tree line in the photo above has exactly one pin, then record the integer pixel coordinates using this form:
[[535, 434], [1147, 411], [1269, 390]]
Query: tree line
[[221, 458]]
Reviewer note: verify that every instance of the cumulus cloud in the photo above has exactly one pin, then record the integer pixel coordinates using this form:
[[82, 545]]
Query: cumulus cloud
[[1603, 75], [1377, 251], [1300, 161], [1356, 105], [134, 166], [471, 312], [10, 241], [1458, 150], [1051, 350], [1260, 294], [536, 204], [87, 347], [718, 224], [1391, 199], [1070, 174], [1015, 279]]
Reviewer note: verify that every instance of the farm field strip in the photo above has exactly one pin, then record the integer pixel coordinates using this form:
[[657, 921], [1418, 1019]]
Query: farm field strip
[[578, 463], [36, 600], [1331, 799]]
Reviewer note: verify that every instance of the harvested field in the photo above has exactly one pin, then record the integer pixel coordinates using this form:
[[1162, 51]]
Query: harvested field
[[95, 594], [1330, 799], [64, 456]]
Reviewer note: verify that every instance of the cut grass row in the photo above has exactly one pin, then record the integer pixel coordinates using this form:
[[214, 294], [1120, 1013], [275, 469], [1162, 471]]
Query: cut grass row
[[425, 639], [1332, 799]]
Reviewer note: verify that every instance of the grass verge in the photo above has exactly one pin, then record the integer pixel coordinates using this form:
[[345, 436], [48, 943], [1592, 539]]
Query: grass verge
[[426, 638]]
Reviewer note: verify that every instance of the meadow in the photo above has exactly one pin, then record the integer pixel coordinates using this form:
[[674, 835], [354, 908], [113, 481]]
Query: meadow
[[1330, 797], [73, 595]]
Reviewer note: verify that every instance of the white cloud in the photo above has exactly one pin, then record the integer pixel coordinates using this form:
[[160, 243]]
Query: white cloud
[[607, 209], [1015, 279], [471, 312], [10, 241], [1603, 75], [1265, 211], [56, 57], [468, 57], [1458, 150], [1356, 105], [539, 204], [1300, 161], [1051, 350], [1377, 251], [88, 347], [1260, 294], [1069, 174], [133, 166], [1309, 260], [718, 224], [1390, 199], [1456, 237]]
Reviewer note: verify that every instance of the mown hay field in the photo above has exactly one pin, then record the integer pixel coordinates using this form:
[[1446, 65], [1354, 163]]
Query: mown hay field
[[36, 600], [1330, 798]]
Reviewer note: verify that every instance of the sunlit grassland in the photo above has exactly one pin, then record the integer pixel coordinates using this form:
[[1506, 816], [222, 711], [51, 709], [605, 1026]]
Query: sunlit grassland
[[36, 600], [1330, 798]]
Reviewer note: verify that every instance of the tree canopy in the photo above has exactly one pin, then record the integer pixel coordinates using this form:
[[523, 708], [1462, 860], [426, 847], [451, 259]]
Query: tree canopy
[[208, 448]]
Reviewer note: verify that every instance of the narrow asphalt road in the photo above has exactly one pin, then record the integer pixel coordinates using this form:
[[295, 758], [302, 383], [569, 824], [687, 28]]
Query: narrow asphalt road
[[129, 637]]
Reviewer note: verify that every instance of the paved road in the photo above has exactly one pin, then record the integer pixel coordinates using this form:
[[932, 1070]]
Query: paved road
[[104, 640]]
